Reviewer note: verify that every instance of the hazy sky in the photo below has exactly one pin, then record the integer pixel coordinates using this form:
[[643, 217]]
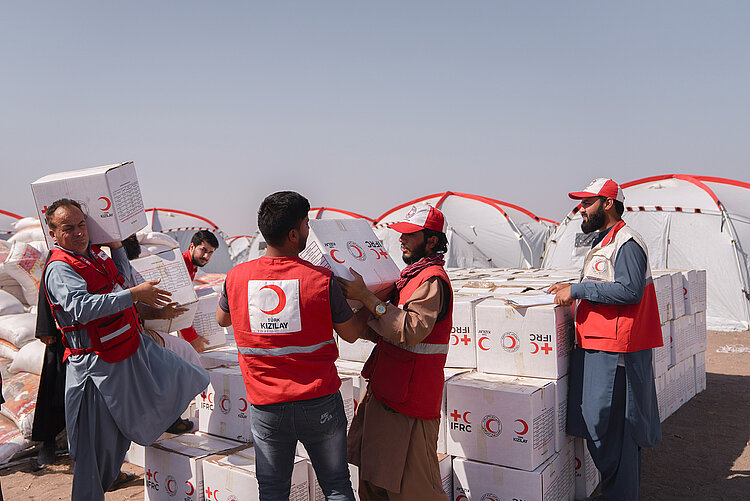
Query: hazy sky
[[362, 106]]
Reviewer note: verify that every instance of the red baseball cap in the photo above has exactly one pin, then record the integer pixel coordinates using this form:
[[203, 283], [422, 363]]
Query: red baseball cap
[[601, 187], [421, 216]]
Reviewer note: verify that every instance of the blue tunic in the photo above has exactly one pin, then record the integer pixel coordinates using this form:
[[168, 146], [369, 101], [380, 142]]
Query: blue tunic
[[108, 405]]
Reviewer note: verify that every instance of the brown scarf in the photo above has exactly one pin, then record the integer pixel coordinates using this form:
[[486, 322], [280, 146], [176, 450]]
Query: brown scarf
[[414, 269]]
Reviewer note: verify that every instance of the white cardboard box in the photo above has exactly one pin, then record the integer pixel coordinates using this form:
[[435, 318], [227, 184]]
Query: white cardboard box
[[316, 493], [109, 195], [358, 351], [222, 356], [354, 370], [339, 244], [662, 355], [174, 468], [533, 342], [169, 267], [586, 474], [473, 480], [445, 462], [230, 477], [678, 295], [699, 365], [501, 419], [462, 351], [561, 412], [448, 373], [204, 321], [223, 409]]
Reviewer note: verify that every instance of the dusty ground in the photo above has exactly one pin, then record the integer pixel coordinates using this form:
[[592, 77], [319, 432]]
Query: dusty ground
[[705, 454]]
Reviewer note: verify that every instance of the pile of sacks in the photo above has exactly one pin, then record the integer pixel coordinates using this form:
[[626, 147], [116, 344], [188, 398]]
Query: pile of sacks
[[22, 259]]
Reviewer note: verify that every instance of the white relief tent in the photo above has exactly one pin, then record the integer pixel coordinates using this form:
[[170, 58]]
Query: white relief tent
[[482, 232], [688, 222], [182, 225]]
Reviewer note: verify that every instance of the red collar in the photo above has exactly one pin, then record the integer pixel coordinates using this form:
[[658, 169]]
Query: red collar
[[611, 235]]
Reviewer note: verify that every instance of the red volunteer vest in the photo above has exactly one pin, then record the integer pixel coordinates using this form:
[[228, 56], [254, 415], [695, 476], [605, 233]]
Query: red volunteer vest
[[114, 337], [410, 379], [189, 333], [281, 316], [611, 327]]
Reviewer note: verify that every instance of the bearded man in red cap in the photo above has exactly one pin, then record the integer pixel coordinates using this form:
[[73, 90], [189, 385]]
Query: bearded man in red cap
[[612, 398], [393, 437]]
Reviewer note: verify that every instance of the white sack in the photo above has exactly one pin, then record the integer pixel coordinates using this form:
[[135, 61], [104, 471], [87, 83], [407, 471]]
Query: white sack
[[26, 263], [9, 304], [29, 358], [18, 329]]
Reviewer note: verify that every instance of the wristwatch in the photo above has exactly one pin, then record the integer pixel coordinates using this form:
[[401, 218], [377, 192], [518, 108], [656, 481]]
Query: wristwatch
[[379, 310]]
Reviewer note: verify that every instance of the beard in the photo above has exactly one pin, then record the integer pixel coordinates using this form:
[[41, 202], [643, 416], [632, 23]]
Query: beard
[[594, 221], [416, 254]]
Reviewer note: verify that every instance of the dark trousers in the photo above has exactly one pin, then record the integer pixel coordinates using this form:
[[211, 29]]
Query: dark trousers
[[616, 455]]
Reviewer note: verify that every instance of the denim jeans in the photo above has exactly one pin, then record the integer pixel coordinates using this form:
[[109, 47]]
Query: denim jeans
[[320, 424]]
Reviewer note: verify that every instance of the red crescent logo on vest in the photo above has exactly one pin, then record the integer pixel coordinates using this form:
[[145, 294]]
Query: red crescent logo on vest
[[244, 405], [536, 347], [335, 258], [481, 347], [525, 427], [108, 204], [603, 266], [192, 489], [282, 299]]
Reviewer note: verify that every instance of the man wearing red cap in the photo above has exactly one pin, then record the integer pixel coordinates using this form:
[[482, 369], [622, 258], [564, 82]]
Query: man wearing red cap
[[393, 437], [612, 398]]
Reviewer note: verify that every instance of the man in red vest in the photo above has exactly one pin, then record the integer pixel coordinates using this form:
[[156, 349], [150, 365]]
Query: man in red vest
[[612, 397], [202, 247], [283, 311], [120, 386], [393, 437]]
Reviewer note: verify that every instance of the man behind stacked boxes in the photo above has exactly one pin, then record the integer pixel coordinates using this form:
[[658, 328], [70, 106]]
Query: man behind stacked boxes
[[202, 247], [393, 438], [612, 397], [283, 311], [120, 386]]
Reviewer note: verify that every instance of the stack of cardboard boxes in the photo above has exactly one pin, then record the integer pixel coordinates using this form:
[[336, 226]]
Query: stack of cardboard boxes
[[680, 365]]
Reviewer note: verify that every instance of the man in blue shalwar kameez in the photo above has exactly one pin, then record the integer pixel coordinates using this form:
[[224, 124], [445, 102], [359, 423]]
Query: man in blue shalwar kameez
[[120, 386], [612, 397]]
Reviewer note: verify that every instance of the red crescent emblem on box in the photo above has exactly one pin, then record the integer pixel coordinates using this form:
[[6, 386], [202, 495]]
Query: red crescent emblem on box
[[466, 417], [481, 347], [335, 258], [107, 202], [489, 428], [209, 398], [603, 267], [171, 485], [222, 404], [536, 347], [377, 254], [578, 463], [244, 405], [462, 498], [192, 489], [525, 427], [454, 336], [282, 300]]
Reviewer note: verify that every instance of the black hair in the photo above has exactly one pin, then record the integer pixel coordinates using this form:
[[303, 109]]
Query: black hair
[[280, 213], [132, 247], [619, 208], [63, 202], [205, 236], [441, 247]]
